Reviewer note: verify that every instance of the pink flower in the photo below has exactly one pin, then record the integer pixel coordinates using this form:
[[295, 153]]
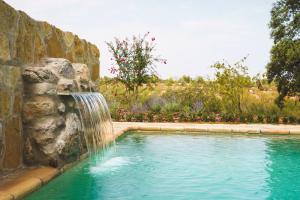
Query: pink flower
[[113, 70], [152, 39]]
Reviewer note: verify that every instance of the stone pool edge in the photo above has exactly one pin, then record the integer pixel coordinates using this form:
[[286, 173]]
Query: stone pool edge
[[33, 178]]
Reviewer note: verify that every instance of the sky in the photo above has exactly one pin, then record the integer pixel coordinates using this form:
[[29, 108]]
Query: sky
[[191, 34]]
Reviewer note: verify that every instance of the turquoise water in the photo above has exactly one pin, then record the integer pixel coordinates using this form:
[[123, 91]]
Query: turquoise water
[[189, 167]]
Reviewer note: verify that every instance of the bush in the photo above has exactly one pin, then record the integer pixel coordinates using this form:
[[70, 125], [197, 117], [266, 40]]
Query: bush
[[227, 117], [285, 120], [268, 119], [260, 118], [250, 118], [274, 119], [243, 119], [292, 119], [170, 108]]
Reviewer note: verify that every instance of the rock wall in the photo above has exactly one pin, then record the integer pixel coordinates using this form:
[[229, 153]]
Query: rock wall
[[24, 40], [11, 91], [26, 43], [52, 129]]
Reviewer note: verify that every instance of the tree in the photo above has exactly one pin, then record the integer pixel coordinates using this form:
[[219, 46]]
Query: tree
[[134, 61], [230, 82], [284, 66]]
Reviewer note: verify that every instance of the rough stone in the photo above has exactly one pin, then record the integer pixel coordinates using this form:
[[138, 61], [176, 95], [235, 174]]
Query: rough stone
[[39, 75], [27, 41], [1, 144], [61, 108], [17, 106], [40, 89], [5, 103], [67, 86], [12, 156], [82, 71], [38, 106], [61, 66], [68, 143]]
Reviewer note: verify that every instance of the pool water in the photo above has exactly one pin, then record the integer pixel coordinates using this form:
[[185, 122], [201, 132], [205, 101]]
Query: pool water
[[190, 167]]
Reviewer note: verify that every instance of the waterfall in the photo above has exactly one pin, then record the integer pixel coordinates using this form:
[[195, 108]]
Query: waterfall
[[95, 119]]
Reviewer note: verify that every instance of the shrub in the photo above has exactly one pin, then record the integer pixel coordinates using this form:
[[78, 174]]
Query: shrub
[[268, 119], [128, 117], [243, 119], [260, 118], [285, 120], [250, 118], [274, 119], [212, 117], [139, 117], [227, 117], [150, 117], [292, 119], [170, 108], [204, 117]]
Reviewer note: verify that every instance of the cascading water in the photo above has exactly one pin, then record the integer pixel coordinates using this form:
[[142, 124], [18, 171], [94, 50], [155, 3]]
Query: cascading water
[[95, 120]]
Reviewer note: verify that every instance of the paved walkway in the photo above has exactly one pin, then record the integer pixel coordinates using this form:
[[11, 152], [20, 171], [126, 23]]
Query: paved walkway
[[27, 180]]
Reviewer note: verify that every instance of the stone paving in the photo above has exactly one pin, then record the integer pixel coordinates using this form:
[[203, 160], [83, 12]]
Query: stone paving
[[29, 180]]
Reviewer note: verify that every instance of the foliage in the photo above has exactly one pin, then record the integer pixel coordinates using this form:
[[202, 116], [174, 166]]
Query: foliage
[[134, 61], [231, 80], [284, 67], [198, 101]]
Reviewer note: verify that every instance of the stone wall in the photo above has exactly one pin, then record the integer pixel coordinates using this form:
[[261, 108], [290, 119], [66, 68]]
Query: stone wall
[[24, 40], [25, 46], [52, 129], [11, 91]]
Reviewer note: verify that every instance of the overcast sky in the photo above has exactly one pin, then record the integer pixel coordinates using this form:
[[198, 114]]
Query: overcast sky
[[190, 34]]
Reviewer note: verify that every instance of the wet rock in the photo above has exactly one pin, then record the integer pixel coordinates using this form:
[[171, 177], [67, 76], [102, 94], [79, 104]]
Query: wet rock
[[68, 143], [93, 86]]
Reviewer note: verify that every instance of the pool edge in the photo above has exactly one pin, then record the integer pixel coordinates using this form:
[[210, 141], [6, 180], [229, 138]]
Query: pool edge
[[34, 178]]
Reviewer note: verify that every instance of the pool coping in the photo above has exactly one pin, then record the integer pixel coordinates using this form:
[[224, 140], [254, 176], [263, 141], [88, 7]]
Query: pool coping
[[31, 179]]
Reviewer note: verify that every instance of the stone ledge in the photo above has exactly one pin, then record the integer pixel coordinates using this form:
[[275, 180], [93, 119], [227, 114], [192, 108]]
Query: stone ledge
[[27, 182]]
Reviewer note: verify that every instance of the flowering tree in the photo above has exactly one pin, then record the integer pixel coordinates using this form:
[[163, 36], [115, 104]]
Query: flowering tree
[[134, 61]]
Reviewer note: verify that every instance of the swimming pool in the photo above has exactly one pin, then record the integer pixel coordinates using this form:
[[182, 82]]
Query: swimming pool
[[180, 166]]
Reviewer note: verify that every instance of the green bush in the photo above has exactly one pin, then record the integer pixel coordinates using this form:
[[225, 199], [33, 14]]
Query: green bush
[[260, 118], [170, 108], [155, 108], [285, 120], [274, 119], [243, 119], [292, 119]]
